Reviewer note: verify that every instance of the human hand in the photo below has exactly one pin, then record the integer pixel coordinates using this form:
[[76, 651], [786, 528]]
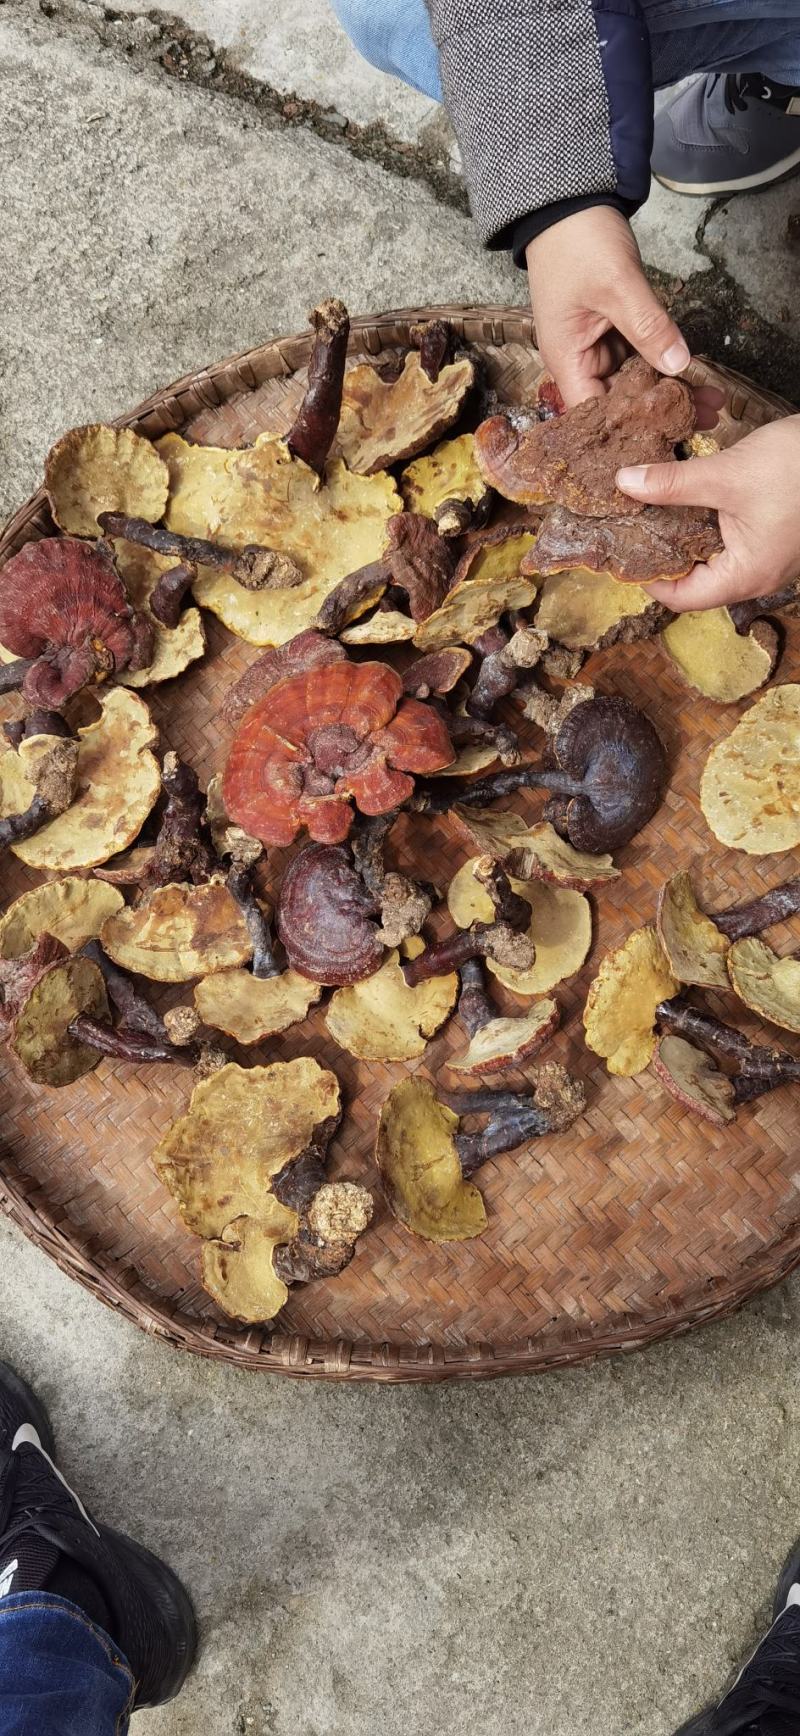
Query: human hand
[[592, 303], [753, 487]]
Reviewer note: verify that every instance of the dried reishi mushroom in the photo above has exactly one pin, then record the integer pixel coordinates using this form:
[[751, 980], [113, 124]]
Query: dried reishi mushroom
[[182, 850], [99, 469], [307, 651], [37, 783], [758, 1069], [385, 627], [470, 609], [72, 910], [382, 1019], [332, 1221], [245, 1129], [695, 1081], [589, 611], [768, 984], [620, 1013], [383, 421], [497, 1044], [250, 1008], [42, 1039], [64, 605], [560, 928], [237, 1267], [505, 938], [659, 542], [118, 782], [174, 646], [572, 460], [262, 495], [695, 948], [326, 918], [18, 976], [313, 430], [179, 932], [447, 475], [420, 1168], [352, 597], [420, 561], [438, 672], [227, 839], [495, 554], [318, 742], [533, 852], [253, 567], [759, 913], [401, 904], [502, 665], [750, 788], [716, 660]]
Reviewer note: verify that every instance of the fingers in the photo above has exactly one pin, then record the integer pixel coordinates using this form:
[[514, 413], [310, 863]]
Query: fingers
[[705, 587], [639, 315], [697, 482]]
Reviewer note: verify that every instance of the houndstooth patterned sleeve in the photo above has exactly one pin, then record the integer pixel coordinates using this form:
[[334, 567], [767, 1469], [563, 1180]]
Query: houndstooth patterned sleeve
[[526, 86]]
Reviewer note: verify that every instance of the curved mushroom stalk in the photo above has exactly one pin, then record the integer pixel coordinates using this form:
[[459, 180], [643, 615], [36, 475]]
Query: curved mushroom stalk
[[37, 783], [121, 1045], [498, 1044], [608, 780], [507, 940], [326, 1240], [240, 884], [772, 1067], [403, 904], [313, 431], [255, 567], [182, 851], [555, 1101], [502, 666], [13, 675]]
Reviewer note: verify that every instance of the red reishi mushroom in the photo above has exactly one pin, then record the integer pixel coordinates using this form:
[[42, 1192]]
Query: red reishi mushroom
[[322, 740], [64, 606]]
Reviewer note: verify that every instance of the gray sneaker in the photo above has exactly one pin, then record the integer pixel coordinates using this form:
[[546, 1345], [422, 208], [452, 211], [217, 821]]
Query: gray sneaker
[[727, 133]]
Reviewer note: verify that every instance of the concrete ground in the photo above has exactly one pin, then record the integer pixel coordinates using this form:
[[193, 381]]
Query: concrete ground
[[584, 1555]]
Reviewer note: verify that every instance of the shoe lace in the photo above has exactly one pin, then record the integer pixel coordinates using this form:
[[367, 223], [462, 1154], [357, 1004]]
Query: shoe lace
[[769, 1684], [29, 1493]]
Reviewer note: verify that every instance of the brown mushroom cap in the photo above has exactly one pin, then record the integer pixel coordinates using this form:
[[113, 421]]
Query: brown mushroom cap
[[100, 469], [533, 852], [620, 1013], [262, 495], [179, 932], [750, 788], [237, 1267], [420, 1167], [588, 611], [695, 948], [325, 918], [41, 1037], [658, 542], [382, 1019], [614, 769], [690, 1076], [385, 420], [717, 661], [560, 928], [242, 1128], [251, 1008], [72, 909], [507, 1043], [770, 985]]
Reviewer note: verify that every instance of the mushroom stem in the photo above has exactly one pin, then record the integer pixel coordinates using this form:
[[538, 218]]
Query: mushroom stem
[[181, 851], [501, 667], [747, 919], [744, 614], [313, 431], [123, 1045], [36, 723], [349, 595], [501, 1133], [438, 795], [17, 826], [166, 601], [508, 905], [135, 1013], [402, 904], [254, 566], [12, 675], [474, 1006], [555, 1101], [498, 940], [754, 1060], [240, 885], [465, 730], [436, 341]]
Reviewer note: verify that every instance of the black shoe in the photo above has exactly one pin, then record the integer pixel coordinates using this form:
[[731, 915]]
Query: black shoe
[[48, 1541], [765, 1698]]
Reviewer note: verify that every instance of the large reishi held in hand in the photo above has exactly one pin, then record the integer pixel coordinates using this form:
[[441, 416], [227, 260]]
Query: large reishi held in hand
[[322, 740]]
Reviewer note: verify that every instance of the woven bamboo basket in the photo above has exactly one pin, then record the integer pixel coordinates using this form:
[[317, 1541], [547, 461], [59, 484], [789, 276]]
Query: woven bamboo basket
[[636, 1225]]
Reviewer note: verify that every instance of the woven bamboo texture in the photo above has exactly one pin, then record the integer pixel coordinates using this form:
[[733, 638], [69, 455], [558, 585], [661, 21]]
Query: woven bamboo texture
[[637, 1224]]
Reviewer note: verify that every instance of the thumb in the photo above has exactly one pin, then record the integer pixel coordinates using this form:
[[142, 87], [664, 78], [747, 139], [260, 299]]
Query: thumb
[[647, 326], [690, 482]]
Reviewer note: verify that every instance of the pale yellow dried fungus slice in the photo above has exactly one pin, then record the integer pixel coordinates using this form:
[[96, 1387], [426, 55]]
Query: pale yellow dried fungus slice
[[420, 1167], [695, 948], [179, 932], [174, 648], [495, 555], [770, 985], [717, 661], [118, 782], [579, 608], [383, 421], [251, 1008], [470, 609], [382, 1019], [533, 852], [507, 1042], [41, 1037], [242, 1127], [73, 910], [620, 1011], [261, 494], [385, 627], [750, 788], [561, 928], [694, 1080], [99, 469], [473, 758], [237, 1268], [449, 472]]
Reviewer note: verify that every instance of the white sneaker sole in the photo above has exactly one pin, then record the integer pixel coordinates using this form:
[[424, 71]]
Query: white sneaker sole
[[746, 183]]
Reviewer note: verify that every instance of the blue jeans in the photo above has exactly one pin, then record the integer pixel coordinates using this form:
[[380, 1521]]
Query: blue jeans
[[686, 36], [59, 1674]]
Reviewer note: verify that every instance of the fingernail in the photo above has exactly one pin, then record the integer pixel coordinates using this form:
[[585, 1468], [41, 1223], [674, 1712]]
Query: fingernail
[[676, 358], [634, 477]]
